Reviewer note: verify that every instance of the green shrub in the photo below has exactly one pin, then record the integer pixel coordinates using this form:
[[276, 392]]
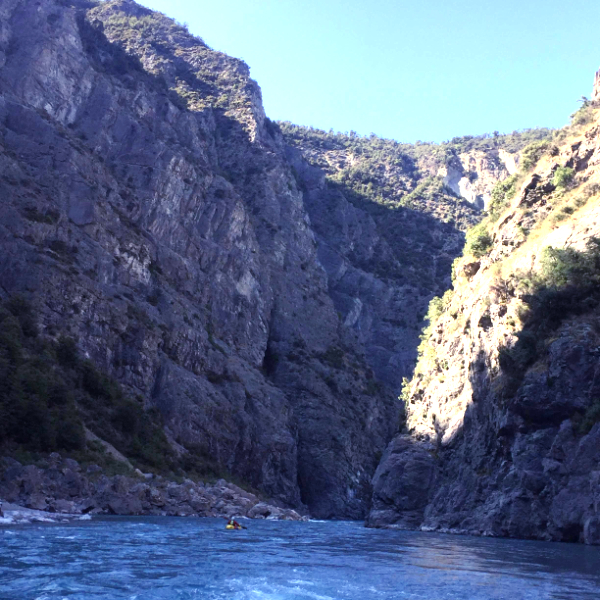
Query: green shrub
[[20, 307], [404, 396], [96, 384], [426, 351], [127, 417], [563, 177], [532, 154], [479, 241], [524, 353], [583, 116], [66, 352], [568, 284], [502, 193], [562, 267], [48, 395], [70, 434]]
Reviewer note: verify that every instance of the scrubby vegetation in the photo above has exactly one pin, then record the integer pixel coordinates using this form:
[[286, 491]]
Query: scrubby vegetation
[[426, 352], [372, 144], [386, 173], [563, 177], [49, 394], [479, 241], [584, 115], [567, 284], [533, 152], [511, 142], [502, 193], [195, 77]]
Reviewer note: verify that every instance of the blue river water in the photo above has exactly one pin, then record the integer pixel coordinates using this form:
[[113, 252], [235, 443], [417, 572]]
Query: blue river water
[[169, 558]]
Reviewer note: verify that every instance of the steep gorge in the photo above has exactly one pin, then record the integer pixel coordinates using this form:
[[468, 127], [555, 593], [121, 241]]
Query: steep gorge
[[389, 225], [260, 286]]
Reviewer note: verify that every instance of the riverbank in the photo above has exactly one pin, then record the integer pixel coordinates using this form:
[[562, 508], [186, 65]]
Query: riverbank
[[62, 486], [18, 515]]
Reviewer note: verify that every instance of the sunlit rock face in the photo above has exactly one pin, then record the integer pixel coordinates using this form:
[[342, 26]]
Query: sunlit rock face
[[389, 220], [473, 175], [149, 212], [503, 415]]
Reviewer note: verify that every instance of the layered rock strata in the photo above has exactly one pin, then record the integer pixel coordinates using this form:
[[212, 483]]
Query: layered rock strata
[[149, 213]]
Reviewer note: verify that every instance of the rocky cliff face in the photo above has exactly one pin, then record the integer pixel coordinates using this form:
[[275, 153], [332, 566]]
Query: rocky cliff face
[[262, 286], [149, 213], [472, 175], [503, 432], [389, 220]]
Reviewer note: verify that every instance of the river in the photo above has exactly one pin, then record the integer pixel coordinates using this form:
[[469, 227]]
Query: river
[[168, 558]]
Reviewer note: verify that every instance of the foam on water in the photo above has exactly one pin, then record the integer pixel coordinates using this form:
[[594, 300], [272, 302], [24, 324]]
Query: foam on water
[[181, 559]]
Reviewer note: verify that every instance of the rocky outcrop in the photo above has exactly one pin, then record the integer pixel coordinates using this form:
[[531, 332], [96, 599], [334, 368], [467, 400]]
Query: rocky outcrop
[[502, 435], [63, 486], [150, 213], [403, 484], [383, 266], [472, 175]]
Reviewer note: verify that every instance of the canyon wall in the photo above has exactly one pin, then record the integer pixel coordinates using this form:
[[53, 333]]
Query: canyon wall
[[502, 435]]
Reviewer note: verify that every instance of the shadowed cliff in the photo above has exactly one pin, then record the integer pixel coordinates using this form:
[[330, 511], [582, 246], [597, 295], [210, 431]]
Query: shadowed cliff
[[150, 215]]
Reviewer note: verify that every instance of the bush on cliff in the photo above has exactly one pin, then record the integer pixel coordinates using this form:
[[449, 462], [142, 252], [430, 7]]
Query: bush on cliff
[[563, 177], [479, 241], [532, 154], [502, 193], [426, 351]]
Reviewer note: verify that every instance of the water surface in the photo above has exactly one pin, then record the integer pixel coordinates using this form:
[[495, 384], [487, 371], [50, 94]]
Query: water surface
[[168, 558]]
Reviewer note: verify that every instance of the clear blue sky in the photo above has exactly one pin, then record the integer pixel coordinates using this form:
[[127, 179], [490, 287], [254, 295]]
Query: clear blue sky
[[408, 70]]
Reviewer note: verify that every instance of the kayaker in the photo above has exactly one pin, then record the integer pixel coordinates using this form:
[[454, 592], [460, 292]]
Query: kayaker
[[233, 523]]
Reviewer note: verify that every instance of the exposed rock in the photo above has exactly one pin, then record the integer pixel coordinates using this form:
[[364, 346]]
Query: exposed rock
[[403, 484], [591, 531], [51, 489], [472, 175]]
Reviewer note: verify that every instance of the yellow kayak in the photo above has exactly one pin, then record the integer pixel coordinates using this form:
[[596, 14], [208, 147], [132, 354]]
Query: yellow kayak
[[231, 527]]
